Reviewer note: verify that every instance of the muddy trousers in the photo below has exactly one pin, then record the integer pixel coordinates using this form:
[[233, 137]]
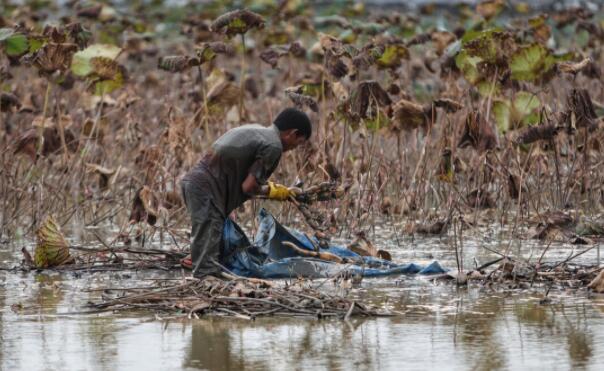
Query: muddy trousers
[[207, 225]]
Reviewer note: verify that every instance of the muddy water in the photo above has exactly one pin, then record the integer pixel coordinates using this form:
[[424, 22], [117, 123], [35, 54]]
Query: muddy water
[[439, 325]]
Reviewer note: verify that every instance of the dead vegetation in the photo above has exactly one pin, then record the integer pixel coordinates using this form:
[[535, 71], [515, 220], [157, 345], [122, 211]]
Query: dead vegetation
[[100, 115], [239, 297]]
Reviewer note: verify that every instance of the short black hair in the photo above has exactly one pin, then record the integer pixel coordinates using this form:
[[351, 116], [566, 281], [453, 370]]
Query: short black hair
[[292, 118]]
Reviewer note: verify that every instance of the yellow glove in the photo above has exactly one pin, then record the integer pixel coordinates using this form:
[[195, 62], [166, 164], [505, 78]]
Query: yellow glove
[[278, 192]]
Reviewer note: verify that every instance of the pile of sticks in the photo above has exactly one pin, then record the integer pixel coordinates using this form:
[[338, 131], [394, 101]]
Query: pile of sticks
[[240, 297], [518, 274], [106, 259]]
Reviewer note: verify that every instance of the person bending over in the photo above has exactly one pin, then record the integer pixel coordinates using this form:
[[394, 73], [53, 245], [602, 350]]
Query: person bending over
[[236, 168]]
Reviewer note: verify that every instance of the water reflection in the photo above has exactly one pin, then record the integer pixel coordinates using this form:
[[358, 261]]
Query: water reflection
[[441, 328], [211, 347], [221, 344]]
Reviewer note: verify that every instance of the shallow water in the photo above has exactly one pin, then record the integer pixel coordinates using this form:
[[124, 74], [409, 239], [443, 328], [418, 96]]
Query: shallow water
[[439, 325]]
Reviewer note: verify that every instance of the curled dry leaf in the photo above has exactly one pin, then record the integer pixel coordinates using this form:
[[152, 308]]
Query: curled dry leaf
[[8, 101], [105, 174], [364, 94], [333, 52], [224, 95], [336, 66], [580, 112], [340, 91], [78, 34], [574, 68], [448, 105], [535, 133], [52, 248], [597, 284], [51, 142], [297, 50], [53, 57], [274, 53], [477, 133], [271, 56], [106, 68], [301, 100], [362, 246], [331, 44], [237, 22], [409, 115], [208, 51], [177, 63], [145, 206]]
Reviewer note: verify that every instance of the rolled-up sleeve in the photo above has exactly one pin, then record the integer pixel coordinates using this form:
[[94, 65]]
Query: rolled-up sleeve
[[267, 159]]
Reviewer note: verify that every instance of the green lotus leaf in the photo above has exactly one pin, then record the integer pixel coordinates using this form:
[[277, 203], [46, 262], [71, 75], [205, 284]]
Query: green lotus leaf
[[488, 88], [470, 35], [521, 111], [36, 43], [468, 65], [525, 103], [16, 45], [502, 113], [107, 86], [392, 56], [81, 65], [531, 63]]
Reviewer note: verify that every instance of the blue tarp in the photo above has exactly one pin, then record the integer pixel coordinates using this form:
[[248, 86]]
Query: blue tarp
[[266, 257]]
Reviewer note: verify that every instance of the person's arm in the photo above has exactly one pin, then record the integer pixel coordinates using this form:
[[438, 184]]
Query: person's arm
[[272, 190], [251, 187]]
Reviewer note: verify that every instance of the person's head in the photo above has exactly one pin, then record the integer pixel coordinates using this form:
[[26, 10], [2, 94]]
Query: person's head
[[294, 127]]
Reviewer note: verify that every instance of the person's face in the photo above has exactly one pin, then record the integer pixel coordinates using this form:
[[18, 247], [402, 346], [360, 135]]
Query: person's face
[[292, 139]]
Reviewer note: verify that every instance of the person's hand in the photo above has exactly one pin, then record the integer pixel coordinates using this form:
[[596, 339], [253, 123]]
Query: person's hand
[[279, 192]]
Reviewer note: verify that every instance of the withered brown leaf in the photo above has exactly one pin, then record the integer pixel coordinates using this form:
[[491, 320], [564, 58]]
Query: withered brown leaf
[[448, 105], [106, 68], [177, 63], [336, 67], [477, 133], [534, 133], [408, 115], [145, 206], [365, 93], [8, 101], [574, 68], [301, 100], [54, 57], [237, 22]]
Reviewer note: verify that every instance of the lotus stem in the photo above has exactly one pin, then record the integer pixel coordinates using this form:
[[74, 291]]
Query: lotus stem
[[242, 79], [41, 128]]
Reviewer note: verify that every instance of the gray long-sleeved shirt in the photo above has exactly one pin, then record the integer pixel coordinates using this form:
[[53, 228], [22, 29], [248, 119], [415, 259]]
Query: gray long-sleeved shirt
[[248, 149]]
